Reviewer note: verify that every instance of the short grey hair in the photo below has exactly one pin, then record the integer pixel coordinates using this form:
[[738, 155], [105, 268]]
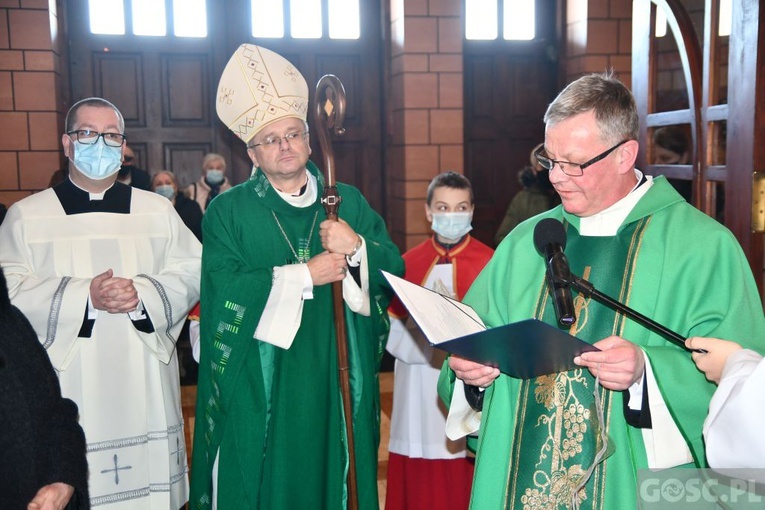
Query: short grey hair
[[609, 99], [213, 156]]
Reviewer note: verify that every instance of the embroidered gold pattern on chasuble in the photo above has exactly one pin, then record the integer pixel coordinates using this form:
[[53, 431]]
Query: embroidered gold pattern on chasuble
[[557, 431]]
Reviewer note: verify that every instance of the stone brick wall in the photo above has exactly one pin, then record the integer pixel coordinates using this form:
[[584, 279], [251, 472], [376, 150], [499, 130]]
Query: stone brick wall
[[33, 90], [426, 108], [598, 37]]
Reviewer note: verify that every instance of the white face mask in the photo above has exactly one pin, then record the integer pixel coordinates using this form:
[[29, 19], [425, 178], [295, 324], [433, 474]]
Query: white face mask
[[166, 190], [97, 161], [214, 176], [452, 225]]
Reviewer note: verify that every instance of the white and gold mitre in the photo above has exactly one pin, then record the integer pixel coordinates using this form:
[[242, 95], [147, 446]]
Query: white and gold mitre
[[258, 87]]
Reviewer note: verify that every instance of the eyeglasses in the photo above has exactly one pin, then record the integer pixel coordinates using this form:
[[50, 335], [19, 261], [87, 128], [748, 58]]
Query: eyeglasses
[[89, 137], [569, 168], [272, 142]]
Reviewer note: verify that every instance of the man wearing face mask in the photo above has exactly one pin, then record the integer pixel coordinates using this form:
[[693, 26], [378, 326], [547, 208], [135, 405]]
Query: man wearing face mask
[[105, 273], [425, 469], [130, 174], [212, 182]]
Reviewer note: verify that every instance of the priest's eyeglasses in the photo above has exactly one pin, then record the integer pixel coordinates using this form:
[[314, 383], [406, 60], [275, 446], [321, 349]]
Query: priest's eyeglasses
[[569, 168], [89, 137], [272, 142]]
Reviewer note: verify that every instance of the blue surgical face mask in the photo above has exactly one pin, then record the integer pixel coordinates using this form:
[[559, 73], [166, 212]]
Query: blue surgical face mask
[[452, 225], [166, 190], [97, 161], [214, 176]]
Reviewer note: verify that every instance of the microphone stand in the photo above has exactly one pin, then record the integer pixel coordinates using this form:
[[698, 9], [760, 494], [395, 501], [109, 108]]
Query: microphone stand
[[588, 290]]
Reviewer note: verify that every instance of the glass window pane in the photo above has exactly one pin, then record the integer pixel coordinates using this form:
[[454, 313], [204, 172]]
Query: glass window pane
[[670, 90], [726, 17], [305, 19], [149, 17], [481, 19], [190, 18], [519, 20], [107, 17], [661, 23], [344, 19], [268, 18]]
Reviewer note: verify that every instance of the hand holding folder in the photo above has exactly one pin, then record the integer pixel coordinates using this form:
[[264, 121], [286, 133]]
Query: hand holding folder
[[524, 349]]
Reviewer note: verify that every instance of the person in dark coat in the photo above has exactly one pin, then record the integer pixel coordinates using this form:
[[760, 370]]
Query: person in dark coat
[[132, 175], [42, 447], [537, 196]]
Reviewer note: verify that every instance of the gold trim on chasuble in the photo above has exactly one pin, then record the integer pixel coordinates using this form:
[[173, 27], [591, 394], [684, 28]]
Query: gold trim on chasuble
[[556, 427]]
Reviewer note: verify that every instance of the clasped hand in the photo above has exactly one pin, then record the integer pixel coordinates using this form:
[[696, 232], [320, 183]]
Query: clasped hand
[[113, 294]]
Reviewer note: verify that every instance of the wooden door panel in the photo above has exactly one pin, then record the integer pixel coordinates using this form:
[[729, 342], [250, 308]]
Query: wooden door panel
[[722, 135], [165, 86], [119, 78], [506, 95], [185, 160], [185, 91]]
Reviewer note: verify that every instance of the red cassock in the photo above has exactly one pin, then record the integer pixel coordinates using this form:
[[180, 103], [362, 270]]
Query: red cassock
[[425, 469]]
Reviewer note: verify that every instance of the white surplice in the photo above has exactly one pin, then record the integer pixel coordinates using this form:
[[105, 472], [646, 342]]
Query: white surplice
[[733, 428], [418, 419], [125, 382]]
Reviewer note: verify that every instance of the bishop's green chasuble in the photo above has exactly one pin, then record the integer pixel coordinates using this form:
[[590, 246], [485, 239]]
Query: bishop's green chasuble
[[274, 416]]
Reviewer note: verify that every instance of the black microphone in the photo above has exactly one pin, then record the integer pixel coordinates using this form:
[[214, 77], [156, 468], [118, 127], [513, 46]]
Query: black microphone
[[550, 241]]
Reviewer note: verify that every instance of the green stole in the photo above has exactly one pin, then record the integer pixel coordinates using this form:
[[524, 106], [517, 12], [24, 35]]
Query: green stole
[[557, 431]]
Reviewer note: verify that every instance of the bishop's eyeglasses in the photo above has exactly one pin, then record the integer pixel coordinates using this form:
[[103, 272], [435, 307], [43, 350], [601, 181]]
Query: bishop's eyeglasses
[[569, 168], [272, 142], [89, 137]]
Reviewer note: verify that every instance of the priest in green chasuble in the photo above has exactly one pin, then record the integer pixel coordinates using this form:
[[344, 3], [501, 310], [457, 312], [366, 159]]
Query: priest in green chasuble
[[270, 431], [578, 439]]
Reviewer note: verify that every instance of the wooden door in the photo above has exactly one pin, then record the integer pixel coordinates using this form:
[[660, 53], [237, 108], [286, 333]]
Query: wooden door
[[359, 154], [508, 85], [706, 85], [165, 88]]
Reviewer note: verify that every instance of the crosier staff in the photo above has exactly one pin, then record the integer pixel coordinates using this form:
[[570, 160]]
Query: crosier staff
[[329, 113]]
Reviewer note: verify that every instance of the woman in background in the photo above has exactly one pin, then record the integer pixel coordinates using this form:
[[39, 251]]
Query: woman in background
[[165, 184], [212, 182]]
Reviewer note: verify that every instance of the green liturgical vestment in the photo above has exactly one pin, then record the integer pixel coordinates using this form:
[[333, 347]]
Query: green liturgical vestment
[[274, 416], [669, 262]]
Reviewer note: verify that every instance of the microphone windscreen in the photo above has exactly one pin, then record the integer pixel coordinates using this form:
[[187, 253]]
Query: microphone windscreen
[[547, 231]]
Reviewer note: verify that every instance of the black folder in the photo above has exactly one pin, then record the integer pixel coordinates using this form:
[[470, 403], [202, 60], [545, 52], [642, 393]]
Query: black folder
[[524, 349]]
